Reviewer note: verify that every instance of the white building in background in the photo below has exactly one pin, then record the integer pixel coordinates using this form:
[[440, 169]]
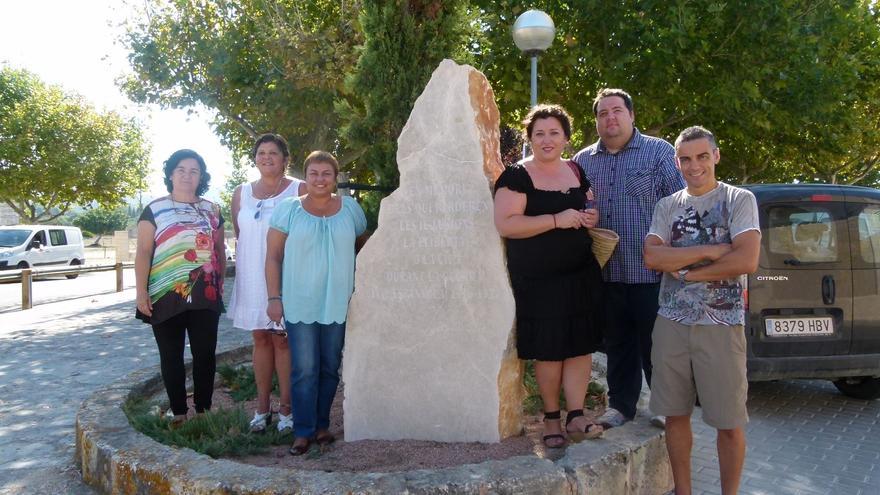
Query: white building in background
[[7, 215]]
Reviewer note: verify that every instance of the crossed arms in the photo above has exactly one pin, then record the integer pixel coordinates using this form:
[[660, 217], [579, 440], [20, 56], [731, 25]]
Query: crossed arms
[[725, 260]]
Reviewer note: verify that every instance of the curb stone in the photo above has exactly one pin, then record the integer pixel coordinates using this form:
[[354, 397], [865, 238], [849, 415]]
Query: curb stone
[[115, 458]]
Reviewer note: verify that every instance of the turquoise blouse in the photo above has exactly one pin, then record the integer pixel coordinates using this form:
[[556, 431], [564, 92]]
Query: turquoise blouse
[[317, 275]]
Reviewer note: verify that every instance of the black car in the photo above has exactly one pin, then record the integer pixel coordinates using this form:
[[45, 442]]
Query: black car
[[814, 302]]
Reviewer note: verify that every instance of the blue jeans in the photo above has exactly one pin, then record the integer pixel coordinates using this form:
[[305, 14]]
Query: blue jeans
[[315, 357]]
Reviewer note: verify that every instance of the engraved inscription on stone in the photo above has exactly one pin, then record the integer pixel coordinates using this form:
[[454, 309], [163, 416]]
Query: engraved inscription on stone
[[429, 352]]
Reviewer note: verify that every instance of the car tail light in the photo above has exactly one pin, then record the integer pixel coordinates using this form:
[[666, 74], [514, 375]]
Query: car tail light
[[746, 294], [821, 197]]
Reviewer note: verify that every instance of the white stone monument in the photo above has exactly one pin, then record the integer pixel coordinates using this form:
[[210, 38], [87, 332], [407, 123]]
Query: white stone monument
[[429, 350]]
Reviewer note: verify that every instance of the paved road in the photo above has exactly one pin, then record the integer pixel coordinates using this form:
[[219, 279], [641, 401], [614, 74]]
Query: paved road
[[54, 356], [60, 288], [804, 437]]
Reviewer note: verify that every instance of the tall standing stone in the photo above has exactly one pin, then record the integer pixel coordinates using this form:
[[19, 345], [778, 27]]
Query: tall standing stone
[[429, 350]]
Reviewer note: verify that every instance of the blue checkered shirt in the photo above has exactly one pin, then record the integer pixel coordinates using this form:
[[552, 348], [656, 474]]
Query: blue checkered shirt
[[627, 185]]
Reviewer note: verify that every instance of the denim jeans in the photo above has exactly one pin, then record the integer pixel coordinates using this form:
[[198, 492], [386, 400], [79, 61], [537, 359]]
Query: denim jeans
[[315, 357], [631, 310]]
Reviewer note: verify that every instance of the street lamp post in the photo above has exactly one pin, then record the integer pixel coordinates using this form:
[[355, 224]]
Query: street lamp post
[[533, 33]]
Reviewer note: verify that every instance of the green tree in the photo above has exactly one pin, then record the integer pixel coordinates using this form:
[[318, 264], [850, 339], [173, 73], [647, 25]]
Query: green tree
[[101, 221], [261, 65], [779, 81], [56, 151], [404, 41], [789, 86], [238, 177]]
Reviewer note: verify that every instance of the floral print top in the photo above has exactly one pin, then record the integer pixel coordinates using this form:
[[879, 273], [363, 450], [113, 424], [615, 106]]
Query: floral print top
[[188, 258]]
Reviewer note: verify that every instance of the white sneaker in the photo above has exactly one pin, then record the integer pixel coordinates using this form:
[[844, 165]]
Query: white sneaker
[[285, 423], [260, 421], [658, 421]]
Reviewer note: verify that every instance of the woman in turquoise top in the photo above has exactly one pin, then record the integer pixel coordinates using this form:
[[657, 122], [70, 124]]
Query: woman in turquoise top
[[313, 238]]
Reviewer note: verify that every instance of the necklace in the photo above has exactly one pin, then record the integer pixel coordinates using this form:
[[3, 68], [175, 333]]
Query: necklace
[[259, 207], [188, 208], [277, 189], [185, 205]]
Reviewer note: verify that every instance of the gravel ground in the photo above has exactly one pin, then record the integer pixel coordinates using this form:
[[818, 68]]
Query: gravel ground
[[393, 456]]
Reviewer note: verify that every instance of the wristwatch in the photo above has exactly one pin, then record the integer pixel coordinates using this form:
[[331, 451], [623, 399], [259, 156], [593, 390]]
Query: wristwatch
[[682, 274]]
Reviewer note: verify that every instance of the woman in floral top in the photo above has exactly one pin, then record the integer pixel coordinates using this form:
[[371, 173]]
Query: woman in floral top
[[179, 267]]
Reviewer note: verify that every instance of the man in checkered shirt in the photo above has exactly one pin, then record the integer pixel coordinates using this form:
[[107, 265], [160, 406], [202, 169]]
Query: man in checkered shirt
[[629, 173]]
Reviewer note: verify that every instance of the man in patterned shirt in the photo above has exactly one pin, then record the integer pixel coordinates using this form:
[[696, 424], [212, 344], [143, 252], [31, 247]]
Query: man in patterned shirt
[[705, 239], [629, 173]]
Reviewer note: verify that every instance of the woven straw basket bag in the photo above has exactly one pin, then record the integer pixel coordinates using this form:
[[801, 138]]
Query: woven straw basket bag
[[604, 242]]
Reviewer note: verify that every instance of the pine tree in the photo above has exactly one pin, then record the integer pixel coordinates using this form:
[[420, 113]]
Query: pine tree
[[404, 41]]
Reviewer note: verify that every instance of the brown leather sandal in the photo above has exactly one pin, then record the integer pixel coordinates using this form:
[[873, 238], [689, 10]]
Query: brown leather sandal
[[590, 431], [324, 438], [300, 446]]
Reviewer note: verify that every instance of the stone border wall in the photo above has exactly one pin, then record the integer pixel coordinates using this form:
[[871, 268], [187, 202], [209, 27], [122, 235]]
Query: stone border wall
[[115, 458]]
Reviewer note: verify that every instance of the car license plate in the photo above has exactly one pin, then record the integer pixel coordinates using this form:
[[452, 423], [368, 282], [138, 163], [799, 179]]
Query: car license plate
[[784, 327]]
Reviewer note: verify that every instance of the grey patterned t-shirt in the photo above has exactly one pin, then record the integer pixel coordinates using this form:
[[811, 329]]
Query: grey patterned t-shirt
[[682, 220]]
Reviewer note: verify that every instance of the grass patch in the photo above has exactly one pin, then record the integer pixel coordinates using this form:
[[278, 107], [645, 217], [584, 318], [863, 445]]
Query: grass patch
[[596, 396], [218, 433], [533, 404], [241, 382]]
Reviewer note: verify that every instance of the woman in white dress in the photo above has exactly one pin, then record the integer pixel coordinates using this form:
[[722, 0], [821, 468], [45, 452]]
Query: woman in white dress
[[252, 207]]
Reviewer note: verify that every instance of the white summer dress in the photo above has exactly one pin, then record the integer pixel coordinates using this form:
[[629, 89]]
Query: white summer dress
[[247, 306]]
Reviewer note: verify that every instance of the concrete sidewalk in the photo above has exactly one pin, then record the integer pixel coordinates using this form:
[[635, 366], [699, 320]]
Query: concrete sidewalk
[[804, 437], [54, 356]]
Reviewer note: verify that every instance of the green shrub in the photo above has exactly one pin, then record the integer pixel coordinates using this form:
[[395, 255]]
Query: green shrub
[[217, 433], [241, 383]]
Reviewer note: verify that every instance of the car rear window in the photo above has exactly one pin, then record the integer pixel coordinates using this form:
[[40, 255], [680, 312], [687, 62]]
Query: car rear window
[[869, 235], [803, 234]]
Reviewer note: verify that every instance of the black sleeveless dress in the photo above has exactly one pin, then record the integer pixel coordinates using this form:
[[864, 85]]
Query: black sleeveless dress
[[555, 277]]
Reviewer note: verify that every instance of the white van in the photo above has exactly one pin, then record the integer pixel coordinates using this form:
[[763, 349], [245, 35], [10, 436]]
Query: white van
[[26, 246]]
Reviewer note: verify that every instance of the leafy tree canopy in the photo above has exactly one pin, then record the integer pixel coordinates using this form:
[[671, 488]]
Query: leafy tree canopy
[[101, 221], [261, 65], [56, 151], [787, 85], [236, 178]]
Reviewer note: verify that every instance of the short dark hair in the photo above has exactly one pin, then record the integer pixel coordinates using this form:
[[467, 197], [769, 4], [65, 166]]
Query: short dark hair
[[174, 160], [278, 139], [321, 157], [606, 92], [695, 132], [545, 111]]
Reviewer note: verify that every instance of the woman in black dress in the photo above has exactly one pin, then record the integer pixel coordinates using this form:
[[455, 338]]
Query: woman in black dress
[[539, 210]]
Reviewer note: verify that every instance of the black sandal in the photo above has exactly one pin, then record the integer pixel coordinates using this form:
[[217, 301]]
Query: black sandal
[[590, 432], [553, 416]]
